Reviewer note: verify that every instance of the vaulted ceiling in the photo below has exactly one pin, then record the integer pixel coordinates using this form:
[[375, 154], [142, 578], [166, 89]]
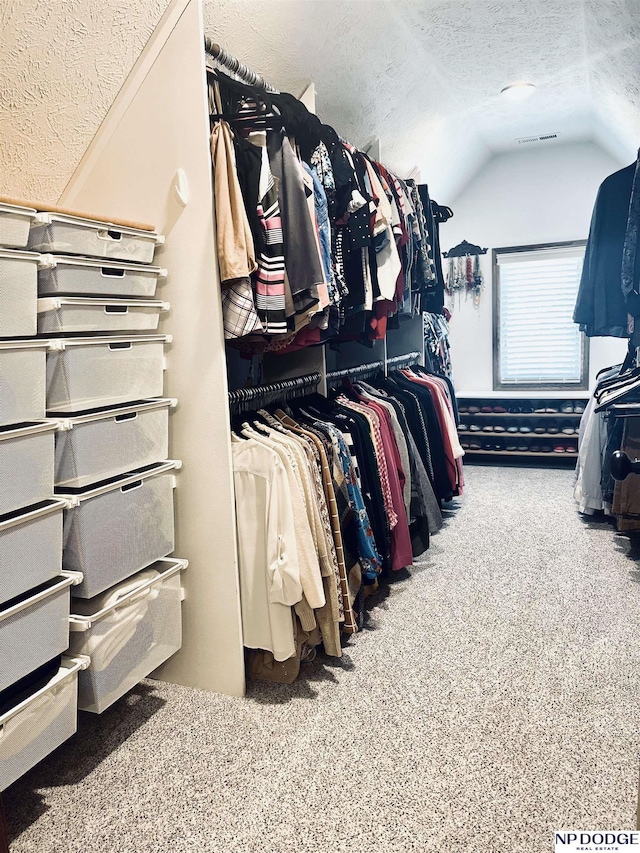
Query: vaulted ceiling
[[423, 76]]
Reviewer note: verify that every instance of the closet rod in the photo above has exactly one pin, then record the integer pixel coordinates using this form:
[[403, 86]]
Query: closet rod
[[371, 367], [278, 390], [236, 67]]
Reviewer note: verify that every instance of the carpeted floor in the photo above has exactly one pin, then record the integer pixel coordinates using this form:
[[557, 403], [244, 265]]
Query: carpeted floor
[[493, 699]]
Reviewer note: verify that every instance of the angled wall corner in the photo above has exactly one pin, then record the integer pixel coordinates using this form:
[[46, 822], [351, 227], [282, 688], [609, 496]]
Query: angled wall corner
[[157, 126]]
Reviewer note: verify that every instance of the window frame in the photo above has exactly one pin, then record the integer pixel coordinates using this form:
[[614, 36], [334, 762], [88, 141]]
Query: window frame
[[583, 383]]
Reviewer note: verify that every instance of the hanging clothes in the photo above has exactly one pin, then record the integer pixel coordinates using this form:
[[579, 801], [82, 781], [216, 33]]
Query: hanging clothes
[[267, 551], [601, 306], [333, 494], [345, 249], [236, 252]]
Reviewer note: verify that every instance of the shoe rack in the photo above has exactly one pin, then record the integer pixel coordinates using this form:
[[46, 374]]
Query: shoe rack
[[532, 428]]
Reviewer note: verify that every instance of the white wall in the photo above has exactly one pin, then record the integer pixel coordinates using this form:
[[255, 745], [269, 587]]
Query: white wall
[[538, 195]]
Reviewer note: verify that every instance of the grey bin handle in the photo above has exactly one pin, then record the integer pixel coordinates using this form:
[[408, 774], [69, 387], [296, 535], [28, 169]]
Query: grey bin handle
[[120, 345], [116, 309], [110, 235], [131, 486], [109, 272], [128, 416]]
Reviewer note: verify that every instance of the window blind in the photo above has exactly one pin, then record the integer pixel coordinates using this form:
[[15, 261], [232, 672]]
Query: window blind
[[538, 341]]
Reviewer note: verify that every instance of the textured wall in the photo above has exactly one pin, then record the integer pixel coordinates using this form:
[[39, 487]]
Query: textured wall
[[62, 63], [422, 75]]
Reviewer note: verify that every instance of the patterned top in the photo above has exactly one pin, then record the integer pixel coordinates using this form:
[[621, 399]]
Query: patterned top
[[372, 418], [368, 556], [269, 277]]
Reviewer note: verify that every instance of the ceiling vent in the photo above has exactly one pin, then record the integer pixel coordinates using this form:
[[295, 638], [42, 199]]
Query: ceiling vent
[[526, 140]]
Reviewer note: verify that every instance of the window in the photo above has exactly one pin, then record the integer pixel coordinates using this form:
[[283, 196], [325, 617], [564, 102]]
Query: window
[[536, 343]]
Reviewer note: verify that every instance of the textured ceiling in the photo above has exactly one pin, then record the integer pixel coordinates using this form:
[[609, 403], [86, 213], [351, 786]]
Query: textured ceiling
[[423, 76]]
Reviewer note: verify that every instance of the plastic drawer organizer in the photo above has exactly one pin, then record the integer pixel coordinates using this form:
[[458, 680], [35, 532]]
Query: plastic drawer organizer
[[84, 373], [34, 628], [15, 222], [99, 444], [76, 314], [127, 632], [30, 548], [22, 381], [73, 235], [18, 293], [116, 529], [39, 724], [27, 454], [86, 277]]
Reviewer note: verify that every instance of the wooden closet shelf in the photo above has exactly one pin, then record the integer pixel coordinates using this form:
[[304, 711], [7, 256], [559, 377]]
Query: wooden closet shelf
[[521, 415], [515, 453], [558, 436]]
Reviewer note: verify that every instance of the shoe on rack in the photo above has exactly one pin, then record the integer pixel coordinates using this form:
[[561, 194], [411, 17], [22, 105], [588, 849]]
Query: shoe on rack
[[463, 409], [498, 444], [473, 410], [570, 448], [487, 445], [465, 445], [534, 447], [487, 428], [512, 446], [475, 428], [524, 428], [523, 446], [551, 409], [512, 429], [568, 430], [540, 427], [559, 448], [579, 407], [553, 428], [475, 445], [499, 428], [486, 410], [499, 410], [515, 410], [541, 410], [463, 427], [546, 447], [567, 408], [526, 410]]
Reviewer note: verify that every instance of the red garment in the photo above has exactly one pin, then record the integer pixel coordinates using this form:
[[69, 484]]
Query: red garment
[[441, 400], [401, 550]]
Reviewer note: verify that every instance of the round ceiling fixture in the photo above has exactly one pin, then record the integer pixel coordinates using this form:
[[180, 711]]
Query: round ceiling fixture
[[518, 91]]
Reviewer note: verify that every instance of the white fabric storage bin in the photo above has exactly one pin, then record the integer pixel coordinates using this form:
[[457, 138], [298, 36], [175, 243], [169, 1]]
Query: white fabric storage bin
[[15, 221], [84, 373], [30, 548], [115, 530], [128, 632], [97, 445], [18, 293], [22, 381], [90, 277], [39, 724], [68, 314], [73, 235], [27, 455], [34, 628]]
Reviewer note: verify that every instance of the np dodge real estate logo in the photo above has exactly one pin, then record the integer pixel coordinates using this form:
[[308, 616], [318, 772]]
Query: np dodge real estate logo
[[594, 841]]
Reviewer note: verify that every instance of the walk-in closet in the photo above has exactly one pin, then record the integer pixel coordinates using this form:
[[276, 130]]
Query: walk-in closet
[[319, 426]]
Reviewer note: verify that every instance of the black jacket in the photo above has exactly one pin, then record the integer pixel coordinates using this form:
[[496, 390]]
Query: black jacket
[[601, 308]]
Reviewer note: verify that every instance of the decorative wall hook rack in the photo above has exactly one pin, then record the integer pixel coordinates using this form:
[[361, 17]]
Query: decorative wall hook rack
[[463, 249]]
